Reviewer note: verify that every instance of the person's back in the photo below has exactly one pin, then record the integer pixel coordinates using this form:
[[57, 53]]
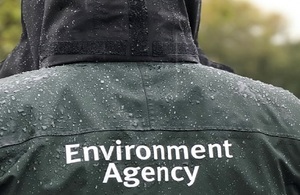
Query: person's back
[[146, 128], [141, 127]]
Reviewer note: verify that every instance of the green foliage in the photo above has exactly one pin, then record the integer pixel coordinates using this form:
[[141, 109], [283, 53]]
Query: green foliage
[[240, 35], [10, 25]]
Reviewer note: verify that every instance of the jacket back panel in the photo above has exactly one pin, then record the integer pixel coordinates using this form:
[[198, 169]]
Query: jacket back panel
[[146, 128]]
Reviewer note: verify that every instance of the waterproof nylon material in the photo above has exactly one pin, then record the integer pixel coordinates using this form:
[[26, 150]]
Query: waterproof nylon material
[[58, 32], [236, 136]]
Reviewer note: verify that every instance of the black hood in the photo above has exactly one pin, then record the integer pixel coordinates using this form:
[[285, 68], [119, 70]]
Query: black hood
[[58, 32]]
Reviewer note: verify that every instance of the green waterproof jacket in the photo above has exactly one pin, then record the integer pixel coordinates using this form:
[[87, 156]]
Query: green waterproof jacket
[[146, 128]]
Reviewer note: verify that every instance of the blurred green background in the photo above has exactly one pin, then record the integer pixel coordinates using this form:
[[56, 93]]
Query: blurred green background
[[236, 33]]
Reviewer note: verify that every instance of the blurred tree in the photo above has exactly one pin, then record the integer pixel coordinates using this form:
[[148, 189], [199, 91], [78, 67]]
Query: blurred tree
[[290, 73], [10, 26], [253, 43]]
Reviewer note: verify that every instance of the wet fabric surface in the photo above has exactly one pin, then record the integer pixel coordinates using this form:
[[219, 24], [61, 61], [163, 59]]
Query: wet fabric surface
[[59, 32], [146, 128]]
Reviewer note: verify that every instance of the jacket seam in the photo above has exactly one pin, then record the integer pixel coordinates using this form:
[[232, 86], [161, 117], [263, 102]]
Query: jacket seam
[[206, 129], [146, 95]]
